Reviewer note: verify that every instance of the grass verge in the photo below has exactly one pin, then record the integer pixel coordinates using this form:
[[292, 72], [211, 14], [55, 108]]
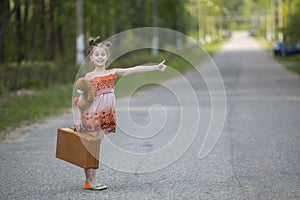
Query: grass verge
[[19, 109], [291, 62]]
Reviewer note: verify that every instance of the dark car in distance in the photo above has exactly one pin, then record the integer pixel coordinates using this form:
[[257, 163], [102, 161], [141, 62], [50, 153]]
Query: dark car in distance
[[284, 49]]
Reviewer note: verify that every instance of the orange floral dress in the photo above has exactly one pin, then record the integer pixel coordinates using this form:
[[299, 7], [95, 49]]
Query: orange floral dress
[[101, 114]]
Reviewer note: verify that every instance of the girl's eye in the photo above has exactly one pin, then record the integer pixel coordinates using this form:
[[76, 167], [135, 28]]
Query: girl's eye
[[96, 54], [102, 54]]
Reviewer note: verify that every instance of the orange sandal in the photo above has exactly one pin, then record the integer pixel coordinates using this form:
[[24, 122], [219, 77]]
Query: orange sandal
[[98, 186]]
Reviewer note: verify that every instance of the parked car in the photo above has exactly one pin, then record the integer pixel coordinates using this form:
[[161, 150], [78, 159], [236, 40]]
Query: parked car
[[252, 33], [297, 48], [284, 49]]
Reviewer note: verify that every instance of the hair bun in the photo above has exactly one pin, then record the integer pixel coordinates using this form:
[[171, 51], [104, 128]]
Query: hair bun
[[94, 41]]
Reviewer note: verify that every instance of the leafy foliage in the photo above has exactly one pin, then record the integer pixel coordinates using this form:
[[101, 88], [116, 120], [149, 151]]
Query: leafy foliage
[[293, 29], [46, 30]]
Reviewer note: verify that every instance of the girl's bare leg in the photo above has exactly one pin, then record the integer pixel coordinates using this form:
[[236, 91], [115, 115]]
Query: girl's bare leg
[[94, 176], [90, 174]]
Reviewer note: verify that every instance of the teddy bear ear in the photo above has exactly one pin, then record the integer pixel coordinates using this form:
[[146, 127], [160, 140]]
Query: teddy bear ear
[[79, 80]]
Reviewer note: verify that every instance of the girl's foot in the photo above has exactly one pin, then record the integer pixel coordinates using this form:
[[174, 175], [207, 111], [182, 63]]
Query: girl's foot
[[98, 186]]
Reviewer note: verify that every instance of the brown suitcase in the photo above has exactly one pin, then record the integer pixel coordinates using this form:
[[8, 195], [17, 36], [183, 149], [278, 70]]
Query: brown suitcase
[[78, 148]]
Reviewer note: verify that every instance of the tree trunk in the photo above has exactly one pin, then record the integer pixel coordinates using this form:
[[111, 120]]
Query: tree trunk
[[4, 18], [19, 32], [49, 40], [60, 32], [37, 10], [25, 24], [80, 44]]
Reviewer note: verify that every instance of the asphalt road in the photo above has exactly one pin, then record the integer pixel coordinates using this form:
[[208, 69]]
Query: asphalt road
[[257, 155]]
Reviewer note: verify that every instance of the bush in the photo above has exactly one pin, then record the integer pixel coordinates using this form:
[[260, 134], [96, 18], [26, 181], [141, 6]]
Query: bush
[[34, 75]]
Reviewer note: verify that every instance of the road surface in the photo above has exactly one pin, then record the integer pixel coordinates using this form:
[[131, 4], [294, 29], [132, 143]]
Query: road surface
[[257, 155]]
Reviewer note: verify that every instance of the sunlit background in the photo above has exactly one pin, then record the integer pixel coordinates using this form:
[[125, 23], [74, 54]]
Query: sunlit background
[[35, 30]]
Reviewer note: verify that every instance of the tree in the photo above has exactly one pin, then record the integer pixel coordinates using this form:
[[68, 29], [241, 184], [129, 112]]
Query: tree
[[19, 42], [5, 15], [293, 29]]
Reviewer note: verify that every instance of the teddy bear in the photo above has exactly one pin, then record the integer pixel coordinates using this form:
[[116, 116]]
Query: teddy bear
[[84, 87]]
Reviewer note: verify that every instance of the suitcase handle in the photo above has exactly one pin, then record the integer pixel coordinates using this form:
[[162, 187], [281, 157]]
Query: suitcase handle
[[81, 129]]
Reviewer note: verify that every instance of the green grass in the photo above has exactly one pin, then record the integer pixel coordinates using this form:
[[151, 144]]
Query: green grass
[[291, 58], [17, 110], [291, 62], [295, 69], [214, 47], [27, 108]]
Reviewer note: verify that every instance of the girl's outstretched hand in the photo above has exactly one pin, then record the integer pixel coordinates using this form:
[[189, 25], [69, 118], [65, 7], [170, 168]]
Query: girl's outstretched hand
[[161, 66]]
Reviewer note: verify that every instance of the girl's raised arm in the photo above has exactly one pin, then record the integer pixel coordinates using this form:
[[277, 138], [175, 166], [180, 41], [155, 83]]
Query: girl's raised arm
[[140, 69]]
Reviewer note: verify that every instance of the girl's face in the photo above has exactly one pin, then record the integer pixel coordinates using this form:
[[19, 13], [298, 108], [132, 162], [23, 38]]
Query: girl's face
[[99, 56]]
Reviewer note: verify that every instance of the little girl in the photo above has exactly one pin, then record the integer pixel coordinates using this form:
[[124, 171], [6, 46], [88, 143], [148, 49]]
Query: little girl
[[100, 117]]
